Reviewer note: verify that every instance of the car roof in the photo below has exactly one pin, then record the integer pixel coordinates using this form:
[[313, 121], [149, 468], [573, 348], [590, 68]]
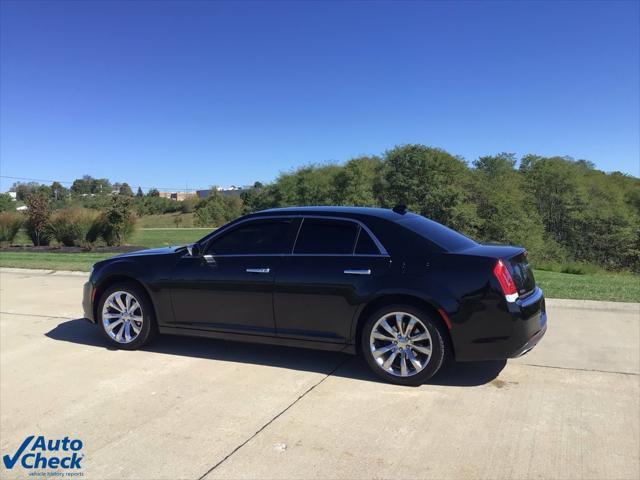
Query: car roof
[[384, 213]]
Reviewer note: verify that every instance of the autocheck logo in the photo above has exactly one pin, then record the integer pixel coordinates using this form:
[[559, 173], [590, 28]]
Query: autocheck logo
[[42, 453]]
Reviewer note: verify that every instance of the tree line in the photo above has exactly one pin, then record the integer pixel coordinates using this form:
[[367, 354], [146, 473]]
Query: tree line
[[562, 210]]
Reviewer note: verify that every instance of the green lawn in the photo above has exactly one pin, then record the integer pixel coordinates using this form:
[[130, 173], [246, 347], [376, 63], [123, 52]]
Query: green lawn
[[157, 237], [51, 261], [163, 237], [166, 220], [619, 287]]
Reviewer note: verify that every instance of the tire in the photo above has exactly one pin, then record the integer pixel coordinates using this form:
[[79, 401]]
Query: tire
[[119, 336], [427, 335]]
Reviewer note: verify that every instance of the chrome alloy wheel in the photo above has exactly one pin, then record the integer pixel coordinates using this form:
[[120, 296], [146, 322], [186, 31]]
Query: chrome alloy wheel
[[400, 344], [122, 317]]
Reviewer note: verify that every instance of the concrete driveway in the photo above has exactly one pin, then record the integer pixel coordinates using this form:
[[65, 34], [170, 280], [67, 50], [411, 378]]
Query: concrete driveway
[[196, 408]]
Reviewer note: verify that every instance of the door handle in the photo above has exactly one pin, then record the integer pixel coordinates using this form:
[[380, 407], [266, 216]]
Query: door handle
[[209, 259], [258, 270], [363, 271]]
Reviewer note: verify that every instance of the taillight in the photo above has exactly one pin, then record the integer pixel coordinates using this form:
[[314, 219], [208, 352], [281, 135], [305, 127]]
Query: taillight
[[506, 282]]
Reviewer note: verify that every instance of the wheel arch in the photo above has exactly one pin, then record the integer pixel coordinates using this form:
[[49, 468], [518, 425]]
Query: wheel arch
[[400, 298], [119, 278]]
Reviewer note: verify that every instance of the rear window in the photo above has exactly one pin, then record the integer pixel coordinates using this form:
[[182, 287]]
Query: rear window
[[326, 237], [437, 233], [365, 245]]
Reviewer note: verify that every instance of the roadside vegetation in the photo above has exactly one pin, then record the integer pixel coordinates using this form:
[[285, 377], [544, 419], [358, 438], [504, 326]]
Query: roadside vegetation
[[580, 225]]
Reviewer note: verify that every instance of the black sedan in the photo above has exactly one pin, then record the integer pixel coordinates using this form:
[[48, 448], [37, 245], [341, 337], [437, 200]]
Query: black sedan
[[403, 291]]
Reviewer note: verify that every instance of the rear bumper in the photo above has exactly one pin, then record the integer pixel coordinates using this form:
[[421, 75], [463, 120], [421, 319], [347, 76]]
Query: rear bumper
[[533, 341], [510, 331], [87, 301]]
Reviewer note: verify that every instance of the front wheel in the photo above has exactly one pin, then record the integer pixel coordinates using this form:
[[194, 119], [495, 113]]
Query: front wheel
[[403, 344], [125, 316]]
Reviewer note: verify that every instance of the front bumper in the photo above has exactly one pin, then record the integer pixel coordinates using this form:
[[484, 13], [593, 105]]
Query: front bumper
[[88, 293]]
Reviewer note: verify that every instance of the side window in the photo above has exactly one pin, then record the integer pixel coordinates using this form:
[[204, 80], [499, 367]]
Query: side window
[[326, 236], [258, 237], [366, 245]]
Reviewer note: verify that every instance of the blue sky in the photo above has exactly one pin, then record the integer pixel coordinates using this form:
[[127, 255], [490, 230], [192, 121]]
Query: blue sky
[[173, 93]]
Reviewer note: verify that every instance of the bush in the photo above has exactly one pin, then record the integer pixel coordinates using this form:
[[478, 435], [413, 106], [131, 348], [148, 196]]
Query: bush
[[6, 203], [216, 209], [117, 223], [71, 226], [37, 224], [10, 223], [188, 205]]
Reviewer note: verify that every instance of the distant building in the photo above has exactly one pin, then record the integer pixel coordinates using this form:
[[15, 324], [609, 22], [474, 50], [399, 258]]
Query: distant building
[[225, 192], [177, 196], [13, 195]]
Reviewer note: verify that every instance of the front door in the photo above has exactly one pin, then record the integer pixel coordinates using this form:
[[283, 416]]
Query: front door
[[230, 286]]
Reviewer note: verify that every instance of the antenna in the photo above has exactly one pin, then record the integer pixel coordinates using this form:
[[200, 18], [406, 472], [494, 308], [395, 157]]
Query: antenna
[[400, 208]]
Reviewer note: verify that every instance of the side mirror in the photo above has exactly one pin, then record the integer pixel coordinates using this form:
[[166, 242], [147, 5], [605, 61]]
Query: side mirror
[[194, 249]]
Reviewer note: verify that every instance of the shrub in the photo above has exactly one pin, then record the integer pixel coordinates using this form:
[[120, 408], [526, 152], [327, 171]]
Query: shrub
[[71, 226], [6, 203], [216, 209], [118, 222], [37, 224], [188, 205], [10, 223]]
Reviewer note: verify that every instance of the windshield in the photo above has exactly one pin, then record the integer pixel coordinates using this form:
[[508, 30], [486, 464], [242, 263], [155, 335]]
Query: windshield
[[437, 233]]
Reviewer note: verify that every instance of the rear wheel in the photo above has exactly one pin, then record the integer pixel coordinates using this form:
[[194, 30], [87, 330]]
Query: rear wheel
[[125, 316], [403, 344]]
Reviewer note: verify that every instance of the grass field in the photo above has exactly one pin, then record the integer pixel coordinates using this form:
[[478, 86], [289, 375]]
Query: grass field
[[164, 237], [617, 287], [167, 220], [621, 287], [148, 237]]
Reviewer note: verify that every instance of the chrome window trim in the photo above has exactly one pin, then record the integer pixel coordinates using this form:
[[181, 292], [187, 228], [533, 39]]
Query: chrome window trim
[[382, 251]]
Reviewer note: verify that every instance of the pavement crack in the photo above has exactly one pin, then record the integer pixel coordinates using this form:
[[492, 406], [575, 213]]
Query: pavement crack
[[37, 315], [580, 369], [309, 390]]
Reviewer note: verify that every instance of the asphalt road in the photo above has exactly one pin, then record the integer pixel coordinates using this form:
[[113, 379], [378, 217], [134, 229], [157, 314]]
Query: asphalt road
[[197, 408]]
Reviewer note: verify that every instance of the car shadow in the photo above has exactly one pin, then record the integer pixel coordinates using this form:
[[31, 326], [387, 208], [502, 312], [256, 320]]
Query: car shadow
[[461, 374]]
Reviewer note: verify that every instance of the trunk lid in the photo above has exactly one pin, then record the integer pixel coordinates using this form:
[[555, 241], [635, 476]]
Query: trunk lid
[[515, 258]]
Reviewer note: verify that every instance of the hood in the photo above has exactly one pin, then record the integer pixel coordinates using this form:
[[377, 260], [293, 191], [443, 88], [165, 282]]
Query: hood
[[150, 251]]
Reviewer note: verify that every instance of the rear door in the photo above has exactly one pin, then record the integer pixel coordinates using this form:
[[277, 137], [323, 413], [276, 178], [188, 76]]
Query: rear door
[[230, 287], [335, 265]]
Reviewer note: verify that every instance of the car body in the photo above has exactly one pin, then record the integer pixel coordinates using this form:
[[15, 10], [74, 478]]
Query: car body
[[314, 276]]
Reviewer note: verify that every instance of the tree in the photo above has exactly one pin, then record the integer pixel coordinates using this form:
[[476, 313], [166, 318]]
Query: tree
[[430, 182], [153, 192], [139, 193], [82, 186], [37, 224], [505, 211], [58, 192], [118, 220], [125, 190], [210, 212], [23, 190], [6, 203], [357, 182], [216, 209], [101, 186]]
